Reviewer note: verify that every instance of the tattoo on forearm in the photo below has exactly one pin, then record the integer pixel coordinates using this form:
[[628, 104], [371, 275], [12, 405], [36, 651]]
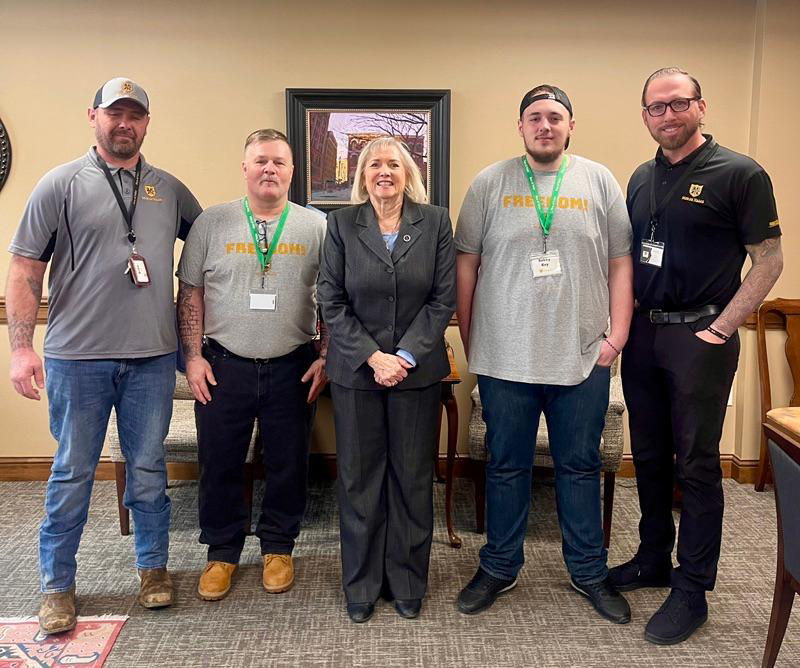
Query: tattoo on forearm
[[324, 339], [20, 332], [767, 260], [190, 322]]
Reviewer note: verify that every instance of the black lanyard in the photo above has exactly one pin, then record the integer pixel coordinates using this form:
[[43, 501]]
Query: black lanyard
[[127, 212], [702, 157]]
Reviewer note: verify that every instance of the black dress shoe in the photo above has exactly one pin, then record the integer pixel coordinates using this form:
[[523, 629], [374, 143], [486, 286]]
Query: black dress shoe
[[680, 615], [634, 575], [606, 600], [360, 612], [408, 607], [482, 591]]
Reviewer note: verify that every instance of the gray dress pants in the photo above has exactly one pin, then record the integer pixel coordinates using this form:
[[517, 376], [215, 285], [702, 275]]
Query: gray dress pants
[[385, 444]]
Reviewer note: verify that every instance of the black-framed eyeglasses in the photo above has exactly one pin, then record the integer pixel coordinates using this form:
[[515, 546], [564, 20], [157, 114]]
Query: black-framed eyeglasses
[[677, 105]]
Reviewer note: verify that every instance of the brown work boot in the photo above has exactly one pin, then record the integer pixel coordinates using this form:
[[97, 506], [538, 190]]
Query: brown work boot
[[215, 582], [156, 588], [278, 574], [57, 613]]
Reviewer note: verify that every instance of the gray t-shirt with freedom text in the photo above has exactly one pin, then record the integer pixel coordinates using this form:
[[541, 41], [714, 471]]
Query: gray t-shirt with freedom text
[[220, 256], [545, 329]]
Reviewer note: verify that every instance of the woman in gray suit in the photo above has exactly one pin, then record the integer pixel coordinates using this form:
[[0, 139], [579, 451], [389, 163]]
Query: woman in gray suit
[[387, 290]]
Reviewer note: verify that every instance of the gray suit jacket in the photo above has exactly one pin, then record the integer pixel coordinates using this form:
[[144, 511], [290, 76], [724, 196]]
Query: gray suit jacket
[[373, 300]]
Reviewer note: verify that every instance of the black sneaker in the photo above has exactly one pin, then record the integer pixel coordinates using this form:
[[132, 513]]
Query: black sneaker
[[680, 615], [606, 600], [482, 591], [634, 575]]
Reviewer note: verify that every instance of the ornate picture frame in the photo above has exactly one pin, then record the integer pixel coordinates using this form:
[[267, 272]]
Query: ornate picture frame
[[5, 154], [328, 127]]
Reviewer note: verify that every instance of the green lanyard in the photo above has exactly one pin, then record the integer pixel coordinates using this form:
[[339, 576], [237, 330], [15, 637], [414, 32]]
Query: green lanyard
[[545, 219], [264, 254]]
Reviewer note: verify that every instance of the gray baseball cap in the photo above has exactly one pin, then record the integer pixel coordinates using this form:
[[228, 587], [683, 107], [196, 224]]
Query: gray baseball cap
[[120, 89]]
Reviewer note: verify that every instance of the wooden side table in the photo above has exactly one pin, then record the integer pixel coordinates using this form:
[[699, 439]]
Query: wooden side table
[[450, 407]]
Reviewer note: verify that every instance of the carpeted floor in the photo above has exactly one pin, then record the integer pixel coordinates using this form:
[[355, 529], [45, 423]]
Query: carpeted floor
[[541, 623]]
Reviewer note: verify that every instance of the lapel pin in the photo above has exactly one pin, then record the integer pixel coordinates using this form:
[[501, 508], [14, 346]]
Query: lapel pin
[[406, 238]]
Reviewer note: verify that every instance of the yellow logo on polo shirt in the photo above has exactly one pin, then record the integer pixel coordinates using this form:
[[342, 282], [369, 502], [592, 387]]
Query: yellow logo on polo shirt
[[774, 223], [694, 193], [150, 194]]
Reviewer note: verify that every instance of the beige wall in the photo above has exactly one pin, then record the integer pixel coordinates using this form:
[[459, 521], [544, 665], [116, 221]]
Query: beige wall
[[217, 70]]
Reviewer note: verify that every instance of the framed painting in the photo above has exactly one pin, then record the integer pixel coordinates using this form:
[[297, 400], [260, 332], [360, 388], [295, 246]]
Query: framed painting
[[328, 128]]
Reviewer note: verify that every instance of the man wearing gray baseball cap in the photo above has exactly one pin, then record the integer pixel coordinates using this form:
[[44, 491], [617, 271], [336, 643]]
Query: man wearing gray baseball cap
[[107, 222]]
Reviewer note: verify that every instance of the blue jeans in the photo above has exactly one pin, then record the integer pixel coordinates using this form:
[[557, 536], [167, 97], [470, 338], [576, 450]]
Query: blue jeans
[[575, 417], [81, 394]]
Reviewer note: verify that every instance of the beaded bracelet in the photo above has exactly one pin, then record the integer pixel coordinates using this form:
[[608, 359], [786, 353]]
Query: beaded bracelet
[[717, 333], [613, 347]]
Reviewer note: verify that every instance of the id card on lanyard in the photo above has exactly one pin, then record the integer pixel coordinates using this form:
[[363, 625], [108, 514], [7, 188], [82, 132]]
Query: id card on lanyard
[[545, 263], [652, 252], [261, 298], [136, 266]]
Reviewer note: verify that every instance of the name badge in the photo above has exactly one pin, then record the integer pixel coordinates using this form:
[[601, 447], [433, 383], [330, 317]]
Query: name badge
[[262, 301], [652, 253], [545, 264], [137, 268]]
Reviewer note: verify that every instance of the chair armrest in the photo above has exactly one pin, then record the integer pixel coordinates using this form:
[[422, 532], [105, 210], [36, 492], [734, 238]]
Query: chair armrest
[[616, 400]]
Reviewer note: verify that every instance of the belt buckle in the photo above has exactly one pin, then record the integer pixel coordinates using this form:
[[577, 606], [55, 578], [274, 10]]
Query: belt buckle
[[654, 316]]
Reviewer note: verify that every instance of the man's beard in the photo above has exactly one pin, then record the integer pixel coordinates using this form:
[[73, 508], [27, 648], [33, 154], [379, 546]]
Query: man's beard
[[544, 157], [676, 141], [119, 149]]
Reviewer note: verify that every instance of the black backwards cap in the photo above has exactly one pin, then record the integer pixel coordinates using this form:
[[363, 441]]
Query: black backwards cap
[[545, 92]]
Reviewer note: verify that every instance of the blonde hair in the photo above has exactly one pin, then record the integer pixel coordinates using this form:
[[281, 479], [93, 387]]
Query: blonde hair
[[414, 190]]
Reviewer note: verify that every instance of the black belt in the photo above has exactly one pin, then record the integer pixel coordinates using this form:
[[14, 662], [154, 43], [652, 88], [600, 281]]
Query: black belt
[[659, 317], [222, 350]]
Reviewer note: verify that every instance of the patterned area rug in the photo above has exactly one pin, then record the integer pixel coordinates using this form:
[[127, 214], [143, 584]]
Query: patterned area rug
[[87, 645]]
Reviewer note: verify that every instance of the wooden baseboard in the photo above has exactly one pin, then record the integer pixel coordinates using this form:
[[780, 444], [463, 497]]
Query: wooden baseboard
[[741, 470], [38, 468]]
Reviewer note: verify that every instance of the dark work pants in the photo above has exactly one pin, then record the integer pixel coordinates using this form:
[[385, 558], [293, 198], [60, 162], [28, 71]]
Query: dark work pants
[[676, 389], [385, 442], [272, 392]]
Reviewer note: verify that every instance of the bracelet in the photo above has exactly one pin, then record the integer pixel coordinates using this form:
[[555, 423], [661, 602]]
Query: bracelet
[[613, 347], [717, 333]]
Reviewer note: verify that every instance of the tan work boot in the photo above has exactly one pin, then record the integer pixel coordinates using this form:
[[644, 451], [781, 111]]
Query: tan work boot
[[215, 582], [156, 588], [57, 613], [278, 574]]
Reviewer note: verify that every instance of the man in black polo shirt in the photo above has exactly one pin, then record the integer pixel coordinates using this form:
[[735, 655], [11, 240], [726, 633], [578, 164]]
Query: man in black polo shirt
[[696, 211]]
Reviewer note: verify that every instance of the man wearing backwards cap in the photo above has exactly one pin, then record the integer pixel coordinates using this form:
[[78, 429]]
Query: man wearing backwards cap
[[551, 237], [108, 221]]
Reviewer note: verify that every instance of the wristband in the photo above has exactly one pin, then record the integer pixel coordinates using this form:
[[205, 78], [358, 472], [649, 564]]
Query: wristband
[[717, 333], [612, 346]]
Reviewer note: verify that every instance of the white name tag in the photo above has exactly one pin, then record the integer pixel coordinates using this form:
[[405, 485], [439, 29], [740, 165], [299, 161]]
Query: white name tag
[[262, 301], [545, 264], [652, 253]]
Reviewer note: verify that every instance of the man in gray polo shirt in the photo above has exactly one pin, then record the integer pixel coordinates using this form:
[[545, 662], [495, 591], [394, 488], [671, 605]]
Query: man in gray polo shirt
[[107, 224], [247, 282], [543, 259]]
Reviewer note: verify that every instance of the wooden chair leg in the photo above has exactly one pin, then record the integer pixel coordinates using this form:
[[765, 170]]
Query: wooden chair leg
[[781, 607], [124, 513], [479, 482], [763, 471], [248, 498], [609, 479]]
